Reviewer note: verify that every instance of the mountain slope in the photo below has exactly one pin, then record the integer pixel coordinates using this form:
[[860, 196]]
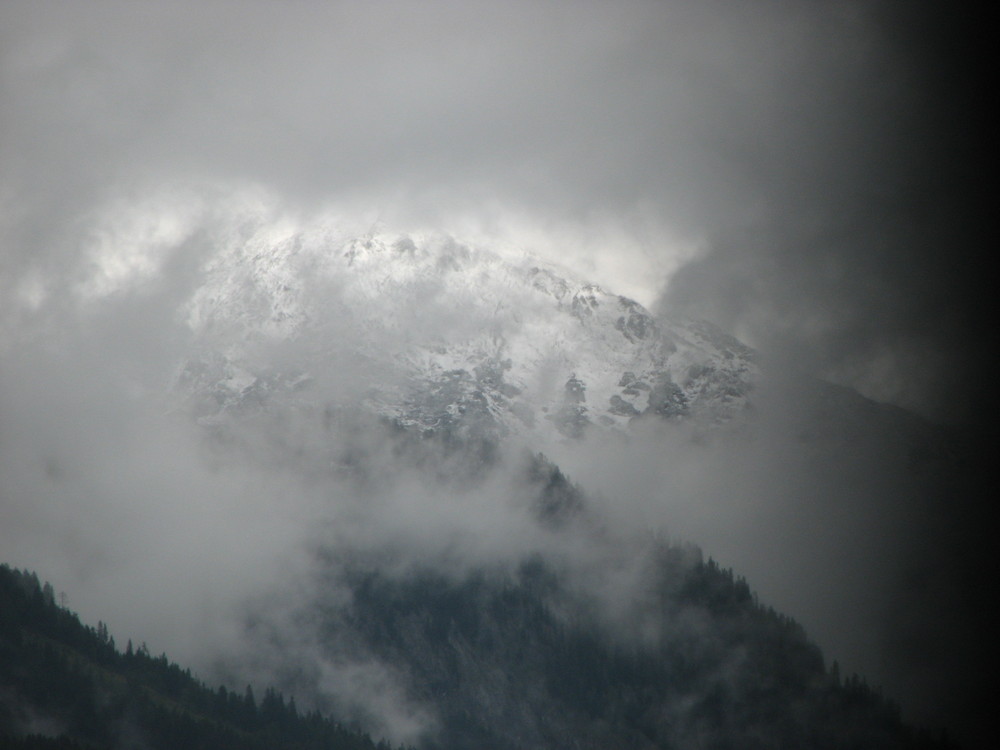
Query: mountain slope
[[508, 660], [356, 472], [64, 685], [446, 336], [296, 324], [639, 646], [506, 671]]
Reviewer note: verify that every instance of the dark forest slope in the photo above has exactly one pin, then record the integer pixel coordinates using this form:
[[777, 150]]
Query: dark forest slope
[[65, 686], [517, 661]]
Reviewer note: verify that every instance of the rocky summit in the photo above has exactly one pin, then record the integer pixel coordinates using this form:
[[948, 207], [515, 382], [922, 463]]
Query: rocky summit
[[443, 336]]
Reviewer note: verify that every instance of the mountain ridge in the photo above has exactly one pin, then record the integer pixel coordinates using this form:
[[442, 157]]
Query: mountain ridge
[[379, 390], [455, 335], [571, 687], [66, 685]]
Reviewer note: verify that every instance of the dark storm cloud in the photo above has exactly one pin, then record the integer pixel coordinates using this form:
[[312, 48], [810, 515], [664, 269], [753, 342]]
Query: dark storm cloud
[[861, 262]]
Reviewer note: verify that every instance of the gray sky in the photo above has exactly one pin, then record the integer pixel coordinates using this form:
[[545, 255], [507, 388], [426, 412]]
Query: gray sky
[[812, 166], [805, 174]]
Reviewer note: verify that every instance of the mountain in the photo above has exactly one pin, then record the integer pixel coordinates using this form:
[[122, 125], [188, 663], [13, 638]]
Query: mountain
[[454, 489], [641, 646], [64, 685], [483, 353], [514, 659], [450, 337]]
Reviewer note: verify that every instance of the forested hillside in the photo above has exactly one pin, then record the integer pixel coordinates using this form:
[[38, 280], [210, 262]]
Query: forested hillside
[[518, 660], [67, 686]]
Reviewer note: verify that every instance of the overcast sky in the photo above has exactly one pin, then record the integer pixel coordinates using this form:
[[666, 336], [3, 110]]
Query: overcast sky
[[808, 175], [805, 174]]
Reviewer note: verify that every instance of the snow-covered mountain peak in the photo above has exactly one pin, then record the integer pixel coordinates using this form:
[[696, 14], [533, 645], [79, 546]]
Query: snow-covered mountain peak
[[443, 335]]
